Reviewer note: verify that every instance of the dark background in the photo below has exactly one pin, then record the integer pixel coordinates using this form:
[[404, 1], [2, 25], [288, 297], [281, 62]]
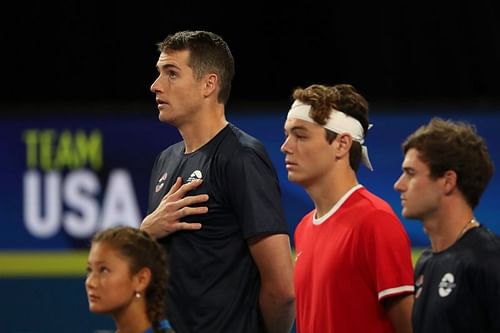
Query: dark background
[[67, 57], [413, 53]]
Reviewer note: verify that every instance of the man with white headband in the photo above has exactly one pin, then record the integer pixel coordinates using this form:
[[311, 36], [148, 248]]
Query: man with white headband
[[353, 270]]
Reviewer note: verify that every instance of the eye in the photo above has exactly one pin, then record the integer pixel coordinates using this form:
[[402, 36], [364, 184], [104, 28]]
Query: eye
[[299, 134], [410, 172], [103, 269], [172, 74]]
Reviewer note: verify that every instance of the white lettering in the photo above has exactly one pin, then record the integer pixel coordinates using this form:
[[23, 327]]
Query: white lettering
[[120, 205], [79, 190], [81, 215], [38, 225]]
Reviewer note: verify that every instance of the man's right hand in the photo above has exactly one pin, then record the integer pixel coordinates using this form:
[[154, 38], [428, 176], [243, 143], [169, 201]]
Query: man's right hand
[[166, 218]]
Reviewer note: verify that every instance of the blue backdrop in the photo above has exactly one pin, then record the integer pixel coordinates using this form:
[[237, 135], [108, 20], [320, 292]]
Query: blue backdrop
[[391, 127], [64, 177]]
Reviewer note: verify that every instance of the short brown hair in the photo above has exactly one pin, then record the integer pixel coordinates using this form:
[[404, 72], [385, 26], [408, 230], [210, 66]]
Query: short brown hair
[[342, 97], [208, 53], [454, 145]]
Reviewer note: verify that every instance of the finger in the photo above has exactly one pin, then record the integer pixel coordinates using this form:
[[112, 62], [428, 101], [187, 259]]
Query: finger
[[188, 226], [184, 189], [173, 206], [181, 191], [174, 188], [178, 191], [187, 211], [192, 200]]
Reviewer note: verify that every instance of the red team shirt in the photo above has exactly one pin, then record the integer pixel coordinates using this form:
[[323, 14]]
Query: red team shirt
[[347, 262]]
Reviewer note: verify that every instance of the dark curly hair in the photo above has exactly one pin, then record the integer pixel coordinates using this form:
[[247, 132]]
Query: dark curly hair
[[142, 251], [342, 97], [447, 145]]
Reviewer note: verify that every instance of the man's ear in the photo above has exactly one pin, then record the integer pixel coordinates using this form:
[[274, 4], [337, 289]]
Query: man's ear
[[344, 143], [450, 181], [211, 83]]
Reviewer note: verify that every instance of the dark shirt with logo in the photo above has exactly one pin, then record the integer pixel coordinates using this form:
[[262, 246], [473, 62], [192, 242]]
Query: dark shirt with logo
[[214, 282], [458, 290]]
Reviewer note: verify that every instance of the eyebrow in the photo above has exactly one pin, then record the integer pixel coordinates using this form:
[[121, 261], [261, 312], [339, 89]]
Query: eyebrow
[[166, 66], [298, 127]]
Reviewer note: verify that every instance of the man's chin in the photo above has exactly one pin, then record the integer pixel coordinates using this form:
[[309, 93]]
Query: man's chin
[[296, 180], [292, 178], [165, 120], [408, 215]]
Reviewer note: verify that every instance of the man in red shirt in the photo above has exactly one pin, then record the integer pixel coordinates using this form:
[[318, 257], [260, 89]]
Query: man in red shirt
[[353, 270]]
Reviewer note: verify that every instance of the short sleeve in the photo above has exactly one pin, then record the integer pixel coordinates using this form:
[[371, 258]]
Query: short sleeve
[[387, 253], [254, 193]]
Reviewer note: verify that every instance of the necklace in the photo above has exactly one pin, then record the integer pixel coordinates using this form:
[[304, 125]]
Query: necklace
[[473, 223]]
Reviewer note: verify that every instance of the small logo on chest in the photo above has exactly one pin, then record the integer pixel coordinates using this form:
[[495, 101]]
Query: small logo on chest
[[446, 285], [195, 175], [161, 182]]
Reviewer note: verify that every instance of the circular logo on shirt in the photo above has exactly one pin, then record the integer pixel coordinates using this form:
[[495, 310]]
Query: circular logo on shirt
[[446, 285], [194, 176]]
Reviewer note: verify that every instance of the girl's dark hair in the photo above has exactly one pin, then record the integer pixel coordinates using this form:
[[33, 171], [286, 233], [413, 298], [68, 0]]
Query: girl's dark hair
[[142, 251]]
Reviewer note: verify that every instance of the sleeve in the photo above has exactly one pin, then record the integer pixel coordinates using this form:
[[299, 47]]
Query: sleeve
[[387, 253], [254, 193], [152, 183]]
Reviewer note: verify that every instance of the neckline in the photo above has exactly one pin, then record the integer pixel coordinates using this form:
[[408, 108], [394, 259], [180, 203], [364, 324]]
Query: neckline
[[318, 221], [472, 224], [219, 132]]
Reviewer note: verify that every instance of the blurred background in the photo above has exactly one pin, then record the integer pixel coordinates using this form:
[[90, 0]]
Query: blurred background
[[79, 129]]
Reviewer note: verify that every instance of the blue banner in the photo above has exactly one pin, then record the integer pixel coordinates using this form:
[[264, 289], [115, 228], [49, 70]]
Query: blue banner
[[391, 127], [65, 176]]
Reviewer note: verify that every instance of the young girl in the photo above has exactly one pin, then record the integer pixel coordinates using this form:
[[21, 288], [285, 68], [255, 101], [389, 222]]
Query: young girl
[[126, 278]]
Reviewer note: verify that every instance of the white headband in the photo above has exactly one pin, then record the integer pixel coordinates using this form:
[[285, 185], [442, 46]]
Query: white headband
[[338, 122]]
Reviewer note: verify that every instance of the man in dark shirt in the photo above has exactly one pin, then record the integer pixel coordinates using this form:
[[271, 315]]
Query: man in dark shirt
[[215, 201], [457, 281]]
